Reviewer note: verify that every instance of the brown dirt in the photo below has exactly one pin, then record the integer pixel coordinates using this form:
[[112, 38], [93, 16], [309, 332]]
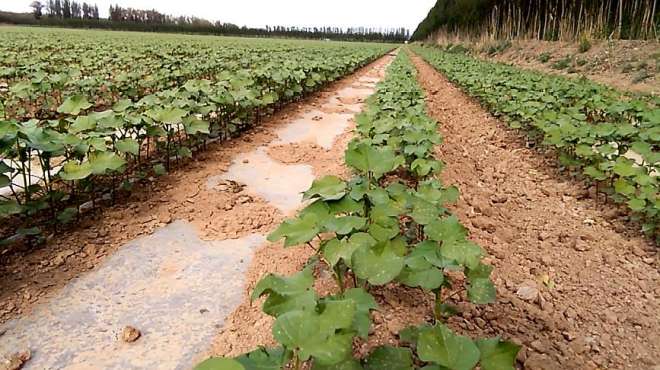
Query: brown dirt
[[591, 282], [618, 63], [32, 277], [248, 327]]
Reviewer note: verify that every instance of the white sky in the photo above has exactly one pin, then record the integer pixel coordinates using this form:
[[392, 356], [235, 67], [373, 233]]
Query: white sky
[[258, 13]]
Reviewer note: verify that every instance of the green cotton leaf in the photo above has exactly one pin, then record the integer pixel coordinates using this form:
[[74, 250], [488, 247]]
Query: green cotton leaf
[[269, 98], [481, 291], [296, 231], [445, 230], [424, 212], [303, 228], [584, 150], [425, 254], [441, 346], [263, 359], [389, 358], [327, 188], [315, 334], [637, 204], [74, 104], [624, 167], [465, 253], [423, 167], [606, 149], [9, 208], [72, 171], [121, 105], [364, 302], [128, 146], [595, 173], [4, 181], [346, 205], [410, 335], [184, 152], [67, 215], [167, 115], [219, 363], [159, 169], [4, 168], [286, 294], [102, 162], [298, 283], [497, 354], [344, 225], [337, 314], [643, 179], [433, 192], [81, 124], [193, 126], [335, 250], [98, 143], [428, 279], [623, 186], [366, 158], [378, 265], [348, 364]]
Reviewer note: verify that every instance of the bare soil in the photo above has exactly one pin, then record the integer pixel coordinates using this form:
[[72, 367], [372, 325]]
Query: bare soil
[[577, 287], [629, 65]]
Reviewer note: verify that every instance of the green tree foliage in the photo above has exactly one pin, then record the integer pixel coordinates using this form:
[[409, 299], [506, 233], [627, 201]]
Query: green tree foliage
[[545, 20]]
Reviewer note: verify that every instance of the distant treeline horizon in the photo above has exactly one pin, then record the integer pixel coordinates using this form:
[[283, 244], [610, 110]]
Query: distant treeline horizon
[[71, 14]]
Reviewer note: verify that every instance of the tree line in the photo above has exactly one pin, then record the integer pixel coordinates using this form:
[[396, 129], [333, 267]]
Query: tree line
[[541, 19], [69, 13]]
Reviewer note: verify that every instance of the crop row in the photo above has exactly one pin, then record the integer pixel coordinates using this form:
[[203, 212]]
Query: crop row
[[388, 224], [611, 139], [51, 166], [39, 73]]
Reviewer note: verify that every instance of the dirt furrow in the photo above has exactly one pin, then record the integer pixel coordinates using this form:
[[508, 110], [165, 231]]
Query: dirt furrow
[[577, 287], [190, 234]]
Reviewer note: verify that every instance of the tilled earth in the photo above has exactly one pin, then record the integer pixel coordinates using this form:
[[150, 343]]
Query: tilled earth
[[577, 286]]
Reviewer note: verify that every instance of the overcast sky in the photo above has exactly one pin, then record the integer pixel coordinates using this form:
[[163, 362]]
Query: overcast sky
[[258, 13]]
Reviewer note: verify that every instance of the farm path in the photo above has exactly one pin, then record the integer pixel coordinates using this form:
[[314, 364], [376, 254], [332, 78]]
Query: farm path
[[576, 286], [174, 260]]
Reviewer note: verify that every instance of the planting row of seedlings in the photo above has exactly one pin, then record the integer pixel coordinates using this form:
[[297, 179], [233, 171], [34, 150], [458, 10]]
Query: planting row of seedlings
[[81, 153], [387, 225], [602, 135]]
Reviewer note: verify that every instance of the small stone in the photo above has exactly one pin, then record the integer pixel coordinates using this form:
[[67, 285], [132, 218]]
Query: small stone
[[484, 223], [61, 257], [528, 291], [537, 361], [499, 198], [244, 199], [546, 260], [637, 251], [246, 161], [540, 346], [16, 360], [165, 217], [581, 246], [611, 317], [544, 235], [579, 345], [130, 334]]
